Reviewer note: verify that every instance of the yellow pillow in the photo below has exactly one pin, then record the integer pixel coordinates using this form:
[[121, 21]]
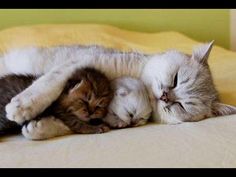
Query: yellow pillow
[[222, 62]]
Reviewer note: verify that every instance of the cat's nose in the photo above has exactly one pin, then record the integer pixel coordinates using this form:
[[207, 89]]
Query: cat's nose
[[164, 97], [131, 115], [90, 111]]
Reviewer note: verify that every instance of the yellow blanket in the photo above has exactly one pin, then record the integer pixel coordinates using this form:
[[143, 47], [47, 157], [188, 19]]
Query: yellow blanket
[[208, 143], [222, 62]]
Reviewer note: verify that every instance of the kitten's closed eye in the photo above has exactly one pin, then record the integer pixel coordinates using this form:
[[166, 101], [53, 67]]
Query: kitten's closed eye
[[86, 103], [113, 113], [100, 106], [103, 103]]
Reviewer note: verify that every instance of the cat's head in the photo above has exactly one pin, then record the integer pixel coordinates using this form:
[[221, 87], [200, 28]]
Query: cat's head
[[130, 103], [181, 87], [88, 94]]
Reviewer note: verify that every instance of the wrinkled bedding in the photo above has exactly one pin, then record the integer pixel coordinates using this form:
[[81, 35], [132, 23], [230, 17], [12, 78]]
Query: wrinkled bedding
[[208, 143]]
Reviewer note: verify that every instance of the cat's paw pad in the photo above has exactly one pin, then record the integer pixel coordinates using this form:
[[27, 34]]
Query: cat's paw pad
[[18, 112], [138, 122], [119, 124], [103, 129], [33, 130]]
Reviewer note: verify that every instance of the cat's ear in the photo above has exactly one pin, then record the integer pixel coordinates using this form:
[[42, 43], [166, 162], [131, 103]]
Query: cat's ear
[[76, 86], [220, 109], [122, 91], [202, 52], [72, 85]]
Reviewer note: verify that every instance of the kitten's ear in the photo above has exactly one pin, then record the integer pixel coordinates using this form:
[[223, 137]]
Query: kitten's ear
[[202, 52], [220, 109], [76, 86], [122, 91], [72, 85]]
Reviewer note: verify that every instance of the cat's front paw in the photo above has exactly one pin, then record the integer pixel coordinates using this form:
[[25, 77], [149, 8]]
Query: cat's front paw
[[138, 122], [118, 123], [19, 110], [103, 128], [34, 130]]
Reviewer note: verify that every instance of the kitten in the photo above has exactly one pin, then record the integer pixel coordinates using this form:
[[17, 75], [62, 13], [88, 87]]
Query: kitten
[[190, 96], [130, 105], [84, 99]]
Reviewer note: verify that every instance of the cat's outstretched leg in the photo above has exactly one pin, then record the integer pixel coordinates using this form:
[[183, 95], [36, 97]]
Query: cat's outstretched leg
[[45, 128], [85, 128], [115, 122], [49, 127], [36, 98]]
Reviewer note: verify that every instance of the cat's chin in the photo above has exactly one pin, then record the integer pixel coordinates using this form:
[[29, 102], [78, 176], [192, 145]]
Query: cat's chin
[[163, 119], [160, 116]]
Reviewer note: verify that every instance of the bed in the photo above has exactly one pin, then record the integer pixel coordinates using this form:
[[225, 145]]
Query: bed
[[208, 143]]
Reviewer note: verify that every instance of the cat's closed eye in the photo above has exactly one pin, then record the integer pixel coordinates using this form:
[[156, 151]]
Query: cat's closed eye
[[113, 113], [175, 81], [85, 103], [98, 107], [102, 104], [179, 104]]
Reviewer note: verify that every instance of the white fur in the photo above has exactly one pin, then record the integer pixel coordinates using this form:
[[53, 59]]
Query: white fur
[[64, 61], [130, 105], [156, 71], [45, 128], [159, 79]]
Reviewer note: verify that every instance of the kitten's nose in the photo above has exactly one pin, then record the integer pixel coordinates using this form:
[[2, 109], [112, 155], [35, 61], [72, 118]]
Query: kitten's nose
[[90, 111], [131, 115], [164, 97]]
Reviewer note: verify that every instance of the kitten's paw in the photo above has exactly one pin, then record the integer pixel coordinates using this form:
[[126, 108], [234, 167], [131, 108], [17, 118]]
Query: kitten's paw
[[118, 123], [20, 110], [34, 130], [103, 129], [138, 122]]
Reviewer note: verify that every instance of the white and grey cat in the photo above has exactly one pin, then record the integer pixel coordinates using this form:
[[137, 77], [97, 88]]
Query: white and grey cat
[[130, 106], [180, 86]]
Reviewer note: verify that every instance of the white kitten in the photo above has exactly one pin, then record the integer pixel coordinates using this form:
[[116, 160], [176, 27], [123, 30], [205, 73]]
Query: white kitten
[[130, 105]]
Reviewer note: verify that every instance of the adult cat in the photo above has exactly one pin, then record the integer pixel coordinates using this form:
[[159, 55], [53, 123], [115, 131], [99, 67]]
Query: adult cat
[[180, 86]]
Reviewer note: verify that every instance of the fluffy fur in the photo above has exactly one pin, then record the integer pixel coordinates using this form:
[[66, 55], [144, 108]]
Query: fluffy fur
[[156, 71], [10, 86], [85, 98], [130, 105], [182, 88]]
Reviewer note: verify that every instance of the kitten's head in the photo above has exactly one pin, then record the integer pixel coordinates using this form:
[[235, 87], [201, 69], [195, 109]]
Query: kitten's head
[[181, 87], [87, 94], [130, 103]]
